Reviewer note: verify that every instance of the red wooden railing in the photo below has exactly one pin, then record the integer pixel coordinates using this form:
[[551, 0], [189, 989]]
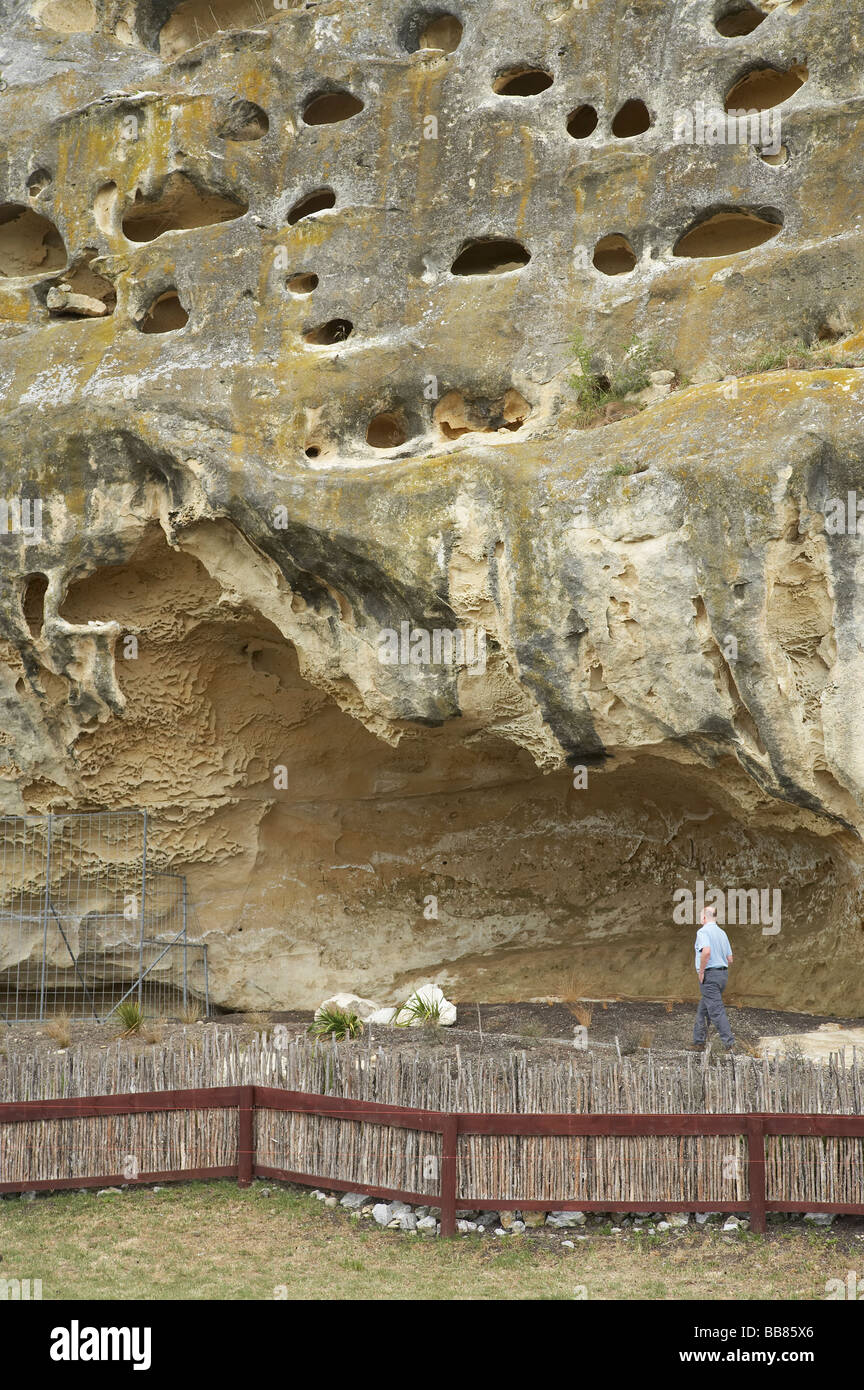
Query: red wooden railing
[[450, 1125]]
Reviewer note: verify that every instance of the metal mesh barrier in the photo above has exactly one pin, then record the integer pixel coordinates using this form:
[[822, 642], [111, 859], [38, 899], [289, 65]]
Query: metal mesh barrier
[[84, 926]]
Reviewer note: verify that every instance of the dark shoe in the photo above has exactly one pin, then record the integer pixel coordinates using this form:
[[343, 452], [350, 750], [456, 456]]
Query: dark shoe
[[696, 1047], [731, 1048]]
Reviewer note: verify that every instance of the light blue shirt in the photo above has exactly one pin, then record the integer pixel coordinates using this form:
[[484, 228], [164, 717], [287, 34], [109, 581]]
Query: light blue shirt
[[715, 937]]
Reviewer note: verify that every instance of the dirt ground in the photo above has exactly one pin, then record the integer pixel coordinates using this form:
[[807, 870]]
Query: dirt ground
[[536, 1027]]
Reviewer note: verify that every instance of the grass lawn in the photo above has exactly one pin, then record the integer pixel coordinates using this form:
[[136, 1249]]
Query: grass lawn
[[213, 1241]]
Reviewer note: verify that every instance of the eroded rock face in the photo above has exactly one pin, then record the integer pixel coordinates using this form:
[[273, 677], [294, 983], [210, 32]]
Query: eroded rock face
[[331, 394]]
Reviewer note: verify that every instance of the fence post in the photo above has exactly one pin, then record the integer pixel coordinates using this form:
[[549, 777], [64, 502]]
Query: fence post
[[756, 1172], [245, 1136], [449, 1143]]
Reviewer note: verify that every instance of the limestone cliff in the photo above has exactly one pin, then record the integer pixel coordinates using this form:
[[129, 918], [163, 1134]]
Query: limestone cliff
[[290, 305]]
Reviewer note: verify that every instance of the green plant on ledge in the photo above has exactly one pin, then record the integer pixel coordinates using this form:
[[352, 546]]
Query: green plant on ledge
[[595, 391], [792, 355]]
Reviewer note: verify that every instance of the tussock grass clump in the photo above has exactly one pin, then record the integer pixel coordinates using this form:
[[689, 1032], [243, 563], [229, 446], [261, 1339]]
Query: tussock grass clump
[[191, 1012], [129, 1017], [796, 354], [60, 1029], [339, 1024], [418, 1009]]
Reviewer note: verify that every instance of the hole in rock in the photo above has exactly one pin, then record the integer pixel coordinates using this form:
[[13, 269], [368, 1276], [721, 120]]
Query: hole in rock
[[37, 181], [613, 255], [179, 207], [582, 122], [333, 331], [455, 415], [777, 159], [327, 108], [245, 121], [165, 315], [726, 233], [444, 32], [490, 256], [632, 119], [29, 242], [196, 20], [739, 21], [310, 203], [33, 602], [386, 431], [304, 282], [312, 451], [66, 16], [82, 293], [764, 88], [522, 82]]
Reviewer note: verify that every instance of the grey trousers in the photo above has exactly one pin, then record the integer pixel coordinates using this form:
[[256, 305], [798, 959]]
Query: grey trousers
[[711, 1008]]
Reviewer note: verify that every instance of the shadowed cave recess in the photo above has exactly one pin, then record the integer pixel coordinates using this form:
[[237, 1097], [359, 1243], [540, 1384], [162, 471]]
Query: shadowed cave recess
[[293, 309]]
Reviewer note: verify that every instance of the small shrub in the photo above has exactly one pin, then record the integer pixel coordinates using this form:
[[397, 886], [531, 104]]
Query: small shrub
[[260, 1022], [60, 1029], [339, 1024], [130, 1016], [646, 1037], [191, 1012], [153, 1032]]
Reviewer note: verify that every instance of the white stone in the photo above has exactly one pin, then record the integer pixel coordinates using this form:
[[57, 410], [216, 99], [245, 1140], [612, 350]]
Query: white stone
[[382, 1213], [354, 1200], [349, 1003], [427, 1223], [819, 1218], [428, 994], [331, 1201]]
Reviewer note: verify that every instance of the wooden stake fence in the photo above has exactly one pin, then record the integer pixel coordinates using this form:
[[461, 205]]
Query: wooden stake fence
[[252, 1103]]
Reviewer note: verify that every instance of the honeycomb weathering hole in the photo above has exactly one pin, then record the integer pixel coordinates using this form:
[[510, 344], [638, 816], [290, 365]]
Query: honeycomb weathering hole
[[613, 255], [490, 256], [180, 206], [33, 602], [740, 20], [328, 108], [29, 242], [196, 20], [304, 282], [165, 315], [37, 182], [632, 119], [333, 331], [66, 16], [443, 32], [318, 201], [726, 233], [765, 87], [522, 82], [386, 431], [245, 121], [582, 122], [99, 294]]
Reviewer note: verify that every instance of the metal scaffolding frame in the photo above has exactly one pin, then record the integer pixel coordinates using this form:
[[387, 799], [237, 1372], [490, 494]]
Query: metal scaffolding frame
[[84, 924]]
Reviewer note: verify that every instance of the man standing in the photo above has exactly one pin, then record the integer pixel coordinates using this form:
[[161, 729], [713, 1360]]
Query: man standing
[[713, 957]]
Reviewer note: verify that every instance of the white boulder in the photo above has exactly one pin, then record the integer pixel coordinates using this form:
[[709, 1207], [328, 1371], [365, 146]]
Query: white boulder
[[350, 1003], [431, 996]]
